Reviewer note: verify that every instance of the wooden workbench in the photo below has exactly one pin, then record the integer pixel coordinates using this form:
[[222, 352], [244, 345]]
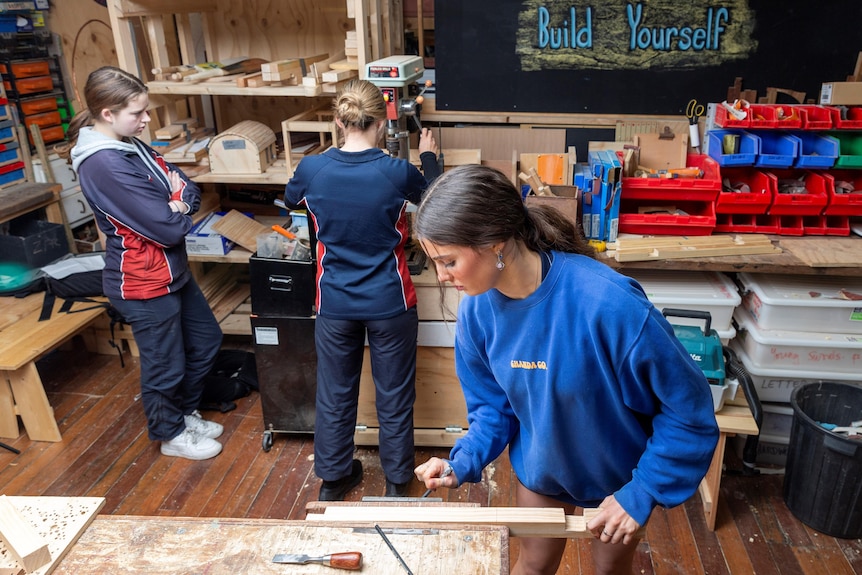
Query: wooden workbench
[[146, 545]]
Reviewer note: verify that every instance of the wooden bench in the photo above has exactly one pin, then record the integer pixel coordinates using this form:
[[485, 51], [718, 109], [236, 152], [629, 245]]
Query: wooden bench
[[735, 417], [23, 340]]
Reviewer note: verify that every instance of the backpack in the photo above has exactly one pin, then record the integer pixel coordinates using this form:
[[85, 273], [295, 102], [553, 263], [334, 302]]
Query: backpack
[[233, 376], [79, 286]]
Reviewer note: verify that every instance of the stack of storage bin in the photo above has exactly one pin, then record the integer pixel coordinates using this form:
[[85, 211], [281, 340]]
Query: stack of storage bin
[[793, 330], [36, 87], [710, 292], [812, 144], [11, 165], [677, 206]]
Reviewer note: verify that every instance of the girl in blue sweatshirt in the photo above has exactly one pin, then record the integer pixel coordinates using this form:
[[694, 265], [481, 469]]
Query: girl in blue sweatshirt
[[566, 363]]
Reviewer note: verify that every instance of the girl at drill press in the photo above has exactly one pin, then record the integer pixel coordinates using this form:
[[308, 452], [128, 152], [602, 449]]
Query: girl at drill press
[[357, 198]]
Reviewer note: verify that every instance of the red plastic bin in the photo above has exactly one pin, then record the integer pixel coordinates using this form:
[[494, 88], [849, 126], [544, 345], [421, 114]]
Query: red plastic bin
[[815, 117], [844, 204], [791, 226], [826, 225], [852, 120], [768, 116], [725, 120], [767, 224], [698, 219], [736, 223], [703, 189], [810, 203], [762, 185]]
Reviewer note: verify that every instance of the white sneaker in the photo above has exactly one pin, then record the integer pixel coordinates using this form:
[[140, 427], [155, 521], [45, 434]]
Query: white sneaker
[[191, 445], [210, 429]]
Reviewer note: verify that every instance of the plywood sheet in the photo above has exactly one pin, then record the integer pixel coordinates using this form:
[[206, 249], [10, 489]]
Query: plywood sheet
[[149, 545], [241, 229], [825, 252], [58, 520]]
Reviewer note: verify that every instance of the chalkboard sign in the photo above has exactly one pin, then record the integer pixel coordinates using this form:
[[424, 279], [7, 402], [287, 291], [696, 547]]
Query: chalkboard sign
[[626, 57]]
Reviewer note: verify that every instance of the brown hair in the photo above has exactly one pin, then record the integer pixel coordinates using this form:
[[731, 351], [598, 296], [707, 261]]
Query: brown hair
[[108, 88], [359, 104], [477, 206]]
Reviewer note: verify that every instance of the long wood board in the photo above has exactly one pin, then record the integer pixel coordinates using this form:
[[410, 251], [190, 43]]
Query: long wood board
[[672, 247], [147, 545], [521, 521]]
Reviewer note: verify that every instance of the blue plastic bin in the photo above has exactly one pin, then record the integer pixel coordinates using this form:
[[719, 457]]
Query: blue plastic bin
[[816, 151], [776, 150], [744, 156]]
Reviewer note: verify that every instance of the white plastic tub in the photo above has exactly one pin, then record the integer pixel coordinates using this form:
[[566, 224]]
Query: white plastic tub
[[803, 303], [712, 292], [774, 384], [828, 353]]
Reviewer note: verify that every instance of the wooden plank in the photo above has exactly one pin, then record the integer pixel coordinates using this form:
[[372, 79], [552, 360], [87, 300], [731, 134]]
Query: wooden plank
[[521, 521], [22, 541], [58, 520], [126, 545]]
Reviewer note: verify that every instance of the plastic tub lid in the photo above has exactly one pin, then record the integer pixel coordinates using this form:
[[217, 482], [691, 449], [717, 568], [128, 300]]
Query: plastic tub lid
[[807, 291], [794, 338], [705, 288]]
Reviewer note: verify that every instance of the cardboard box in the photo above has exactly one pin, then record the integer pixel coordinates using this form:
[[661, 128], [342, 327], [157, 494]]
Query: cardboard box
[[566, 199], [35, 243], [841, 93], [202, 239]]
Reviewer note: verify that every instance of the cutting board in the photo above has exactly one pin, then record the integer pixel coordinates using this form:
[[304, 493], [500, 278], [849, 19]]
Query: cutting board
[[241, 229], [825, 252], [60, 521]]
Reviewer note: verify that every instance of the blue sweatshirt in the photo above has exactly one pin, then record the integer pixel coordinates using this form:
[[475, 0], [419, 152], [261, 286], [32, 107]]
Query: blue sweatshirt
[[586, 383], [357, 203], [126, 184]]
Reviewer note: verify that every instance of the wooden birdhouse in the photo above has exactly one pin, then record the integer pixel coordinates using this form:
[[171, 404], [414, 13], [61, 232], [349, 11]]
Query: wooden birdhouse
[[245, 148]]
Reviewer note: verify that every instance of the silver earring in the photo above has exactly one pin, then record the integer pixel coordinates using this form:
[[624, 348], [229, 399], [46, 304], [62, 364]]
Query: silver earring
[[500, 263]]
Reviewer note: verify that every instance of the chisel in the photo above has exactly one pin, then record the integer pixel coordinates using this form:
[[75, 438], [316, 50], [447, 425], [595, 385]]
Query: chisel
[[350, 560]]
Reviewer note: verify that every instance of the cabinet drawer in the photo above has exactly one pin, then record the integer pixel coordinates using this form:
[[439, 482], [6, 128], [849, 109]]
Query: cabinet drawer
[[43, 120], [60, 169], [26, 69], [75, 205], [30, 85], [38, 105]]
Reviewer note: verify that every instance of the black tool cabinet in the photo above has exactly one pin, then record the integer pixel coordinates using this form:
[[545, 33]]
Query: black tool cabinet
[[282, 322]]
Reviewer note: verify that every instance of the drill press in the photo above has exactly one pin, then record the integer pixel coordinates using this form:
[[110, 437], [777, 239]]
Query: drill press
[[394, 76]]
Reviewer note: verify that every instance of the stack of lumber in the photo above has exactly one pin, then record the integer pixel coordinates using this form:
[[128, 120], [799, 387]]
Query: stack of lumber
[[668, 247]]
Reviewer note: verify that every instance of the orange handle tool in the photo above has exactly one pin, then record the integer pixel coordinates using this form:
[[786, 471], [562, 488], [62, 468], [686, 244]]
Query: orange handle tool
[[284, 232]]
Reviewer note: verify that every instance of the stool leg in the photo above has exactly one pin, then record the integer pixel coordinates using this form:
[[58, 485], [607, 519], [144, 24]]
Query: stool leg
[[32, 404], [8, 419]]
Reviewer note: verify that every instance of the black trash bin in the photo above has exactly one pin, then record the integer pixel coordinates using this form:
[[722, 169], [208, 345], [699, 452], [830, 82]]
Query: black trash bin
[[823, 474]]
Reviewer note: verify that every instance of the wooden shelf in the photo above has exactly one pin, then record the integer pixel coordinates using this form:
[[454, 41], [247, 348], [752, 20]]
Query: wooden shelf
[[276, 174], [224, 88]]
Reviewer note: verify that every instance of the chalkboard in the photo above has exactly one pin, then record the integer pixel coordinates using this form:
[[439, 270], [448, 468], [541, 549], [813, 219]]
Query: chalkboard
[[625, 57]]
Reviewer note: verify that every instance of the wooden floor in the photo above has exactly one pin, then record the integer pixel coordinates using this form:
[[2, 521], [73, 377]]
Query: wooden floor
[[105, 452]]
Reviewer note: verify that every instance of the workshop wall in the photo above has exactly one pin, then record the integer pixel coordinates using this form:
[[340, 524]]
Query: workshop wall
[[624, 57]]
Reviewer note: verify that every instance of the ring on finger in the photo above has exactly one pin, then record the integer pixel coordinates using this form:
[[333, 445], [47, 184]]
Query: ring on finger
[[606, 533]]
